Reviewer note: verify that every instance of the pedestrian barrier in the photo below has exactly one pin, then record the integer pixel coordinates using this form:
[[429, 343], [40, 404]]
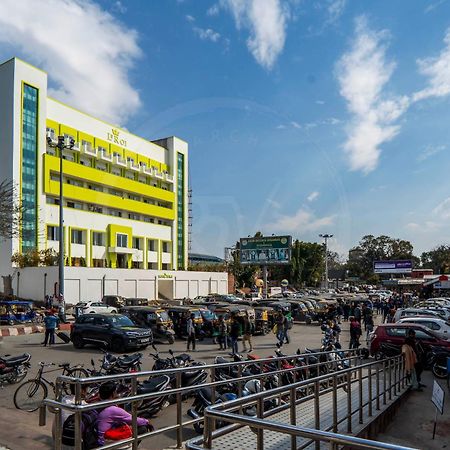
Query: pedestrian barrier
[[368, 387], [351, 358]]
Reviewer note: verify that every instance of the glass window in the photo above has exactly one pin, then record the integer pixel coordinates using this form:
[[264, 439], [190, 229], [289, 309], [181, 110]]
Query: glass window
[[396, 332], [136, 243], [122, 240], [151, 243], [98, 238], [52, 233], [76, 236], [120, 321]]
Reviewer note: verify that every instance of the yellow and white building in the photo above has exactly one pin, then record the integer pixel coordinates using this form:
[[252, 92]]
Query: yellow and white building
[[125, 197]]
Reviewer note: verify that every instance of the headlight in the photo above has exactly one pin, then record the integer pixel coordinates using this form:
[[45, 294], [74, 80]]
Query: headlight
[[132, 333]]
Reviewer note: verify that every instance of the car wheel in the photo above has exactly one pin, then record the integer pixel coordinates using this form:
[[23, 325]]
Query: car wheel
[[170, 339], [117, 345], [77, 341], [113, 311]]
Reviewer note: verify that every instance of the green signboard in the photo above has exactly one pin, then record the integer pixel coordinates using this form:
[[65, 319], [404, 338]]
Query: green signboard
[[266, 250]]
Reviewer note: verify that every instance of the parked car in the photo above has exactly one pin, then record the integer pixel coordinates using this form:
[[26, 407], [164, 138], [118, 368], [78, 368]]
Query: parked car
[[412, 312], [114, 300], [395, 334], [92, 307], [115, 331], [440, 326]]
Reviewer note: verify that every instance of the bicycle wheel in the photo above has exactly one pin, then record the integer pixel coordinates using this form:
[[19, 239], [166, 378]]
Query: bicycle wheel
[[30, 395], [77, 372]]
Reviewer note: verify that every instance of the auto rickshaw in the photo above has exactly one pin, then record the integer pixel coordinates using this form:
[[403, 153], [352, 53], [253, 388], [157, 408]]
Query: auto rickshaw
[[155, 318], [136, 301], [179, 316], [262, 324], [210, 322], [12, 311], [300, 311]]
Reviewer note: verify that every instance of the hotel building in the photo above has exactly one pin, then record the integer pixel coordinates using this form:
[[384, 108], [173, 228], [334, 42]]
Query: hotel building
[[125, 197]]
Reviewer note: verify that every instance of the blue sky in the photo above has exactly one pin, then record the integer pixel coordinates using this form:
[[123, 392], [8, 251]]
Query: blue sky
[[302, 117]]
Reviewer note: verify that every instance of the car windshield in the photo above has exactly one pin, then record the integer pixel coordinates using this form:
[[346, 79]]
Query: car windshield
[[120, 321], [208, 315], [164, 316]]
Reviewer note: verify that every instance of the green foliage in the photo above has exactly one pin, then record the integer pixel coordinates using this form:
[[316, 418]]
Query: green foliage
[[307, 263], [35, 258], [437, 259]]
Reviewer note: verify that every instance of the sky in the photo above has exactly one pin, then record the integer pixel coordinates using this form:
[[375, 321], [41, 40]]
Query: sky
[[302, 116]]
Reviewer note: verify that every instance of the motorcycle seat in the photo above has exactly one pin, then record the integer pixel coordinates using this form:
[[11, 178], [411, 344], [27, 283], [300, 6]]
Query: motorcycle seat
[[221, 360], [153, 384], [129, 360], [183, 357], [16, 360], [311, 350]]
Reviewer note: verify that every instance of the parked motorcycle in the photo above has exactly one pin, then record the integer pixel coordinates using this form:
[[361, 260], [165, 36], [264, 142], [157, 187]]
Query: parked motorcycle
[[437, 361], [14, 369], [112, 365]]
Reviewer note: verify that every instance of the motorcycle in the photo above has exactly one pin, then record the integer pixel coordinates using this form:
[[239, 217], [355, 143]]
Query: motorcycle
[[14, 369], [112, 365], [437, 361], [192, 376]]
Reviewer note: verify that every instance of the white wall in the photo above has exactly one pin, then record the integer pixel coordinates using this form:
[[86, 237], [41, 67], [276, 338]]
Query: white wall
[[86, 283]]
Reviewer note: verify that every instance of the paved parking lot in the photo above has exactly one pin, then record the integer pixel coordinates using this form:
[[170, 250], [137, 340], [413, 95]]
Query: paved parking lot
[[20, 430]]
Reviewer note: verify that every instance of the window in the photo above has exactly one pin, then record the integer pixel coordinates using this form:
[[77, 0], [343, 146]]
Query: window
[[98, 263], [122, 240], [151, 243], [115, 213], [133, 216], [86, 319], [165, 247], [52, 233], [95, 187], [76, 236], [74, 205], [98, 238], [137, 243], [74, 182], [95, 208], [396, 332]]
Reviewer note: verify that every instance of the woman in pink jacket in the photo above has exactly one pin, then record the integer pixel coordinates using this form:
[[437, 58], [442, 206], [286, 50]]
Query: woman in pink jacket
[[113, 416]]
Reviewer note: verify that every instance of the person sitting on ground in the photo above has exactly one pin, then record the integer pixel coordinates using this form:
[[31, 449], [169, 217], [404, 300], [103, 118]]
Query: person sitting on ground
[[114, 416]]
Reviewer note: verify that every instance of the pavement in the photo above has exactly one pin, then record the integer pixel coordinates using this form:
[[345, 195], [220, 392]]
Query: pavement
[[19, 330]]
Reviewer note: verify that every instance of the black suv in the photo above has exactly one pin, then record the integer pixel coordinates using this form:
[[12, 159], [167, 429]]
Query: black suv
[[118, 332]]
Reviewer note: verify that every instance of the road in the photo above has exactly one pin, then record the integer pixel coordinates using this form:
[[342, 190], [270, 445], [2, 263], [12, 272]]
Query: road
[[20, 430]]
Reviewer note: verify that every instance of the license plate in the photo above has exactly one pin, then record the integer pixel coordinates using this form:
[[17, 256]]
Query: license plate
[[144, 341]]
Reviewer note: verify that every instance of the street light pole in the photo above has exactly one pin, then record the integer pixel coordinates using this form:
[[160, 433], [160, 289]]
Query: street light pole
[[325, 238], [61, 145]]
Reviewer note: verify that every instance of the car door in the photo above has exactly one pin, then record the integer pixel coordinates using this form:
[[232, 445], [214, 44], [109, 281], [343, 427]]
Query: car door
[[87, 327], [102, 333]]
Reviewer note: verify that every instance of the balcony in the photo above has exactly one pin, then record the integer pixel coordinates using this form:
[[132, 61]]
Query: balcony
[[166, 257], [169, 178], [119, 161], [152, 257], [147, 170], [133, 166], [159, 175], [88, 150], [104, 155]]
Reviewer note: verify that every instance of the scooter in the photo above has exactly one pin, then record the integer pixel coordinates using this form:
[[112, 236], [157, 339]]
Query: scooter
[[14, 369]]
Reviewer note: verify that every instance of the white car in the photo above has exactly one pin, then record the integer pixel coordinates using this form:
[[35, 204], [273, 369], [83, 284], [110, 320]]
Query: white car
[[440, 326], [402, 313], [93, 307]]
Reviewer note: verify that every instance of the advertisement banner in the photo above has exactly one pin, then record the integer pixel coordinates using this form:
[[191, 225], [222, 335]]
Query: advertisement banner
[[266, 250], [393, 266]]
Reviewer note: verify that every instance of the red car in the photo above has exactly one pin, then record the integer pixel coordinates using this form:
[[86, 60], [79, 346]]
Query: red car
[[395, 334]]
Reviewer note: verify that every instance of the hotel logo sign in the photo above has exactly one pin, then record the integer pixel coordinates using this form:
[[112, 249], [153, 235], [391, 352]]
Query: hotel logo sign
[[114, 137]]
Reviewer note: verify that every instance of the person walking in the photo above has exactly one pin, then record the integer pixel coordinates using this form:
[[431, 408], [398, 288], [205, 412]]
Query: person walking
[[286, 326], [410, 362], [190, 329], [247, 337], [51, 323], [346, 309], [223, 333], [280, 328], [355, 332], [369, 327], [420, 355], [357, 314], [235, 333]]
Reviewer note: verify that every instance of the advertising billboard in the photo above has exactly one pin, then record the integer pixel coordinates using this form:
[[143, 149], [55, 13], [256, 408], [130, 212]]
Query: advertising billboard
[[394, 266], [266, 250]]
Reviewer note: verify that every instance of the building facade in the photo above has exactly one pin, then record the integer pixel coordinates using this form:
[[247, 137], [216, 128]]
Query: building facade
[[125, 197]]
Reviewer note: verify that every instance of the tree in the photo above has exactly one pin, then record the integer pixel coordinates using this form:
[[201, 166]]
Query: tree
[[35, 258], [11, 211], [437, 259], [307, 263], [371, 248]]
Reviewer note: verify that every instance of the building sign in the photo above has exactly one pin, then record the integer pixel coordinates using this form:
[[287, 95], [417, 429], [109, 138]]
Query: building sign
[[165, 275], [115, 138], [394, 266], [266, 250]]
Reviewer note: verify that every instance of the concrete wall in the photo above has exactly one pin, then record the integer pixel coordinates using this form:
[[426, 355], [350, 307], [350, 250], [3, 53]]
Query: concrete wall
[[89, 283]]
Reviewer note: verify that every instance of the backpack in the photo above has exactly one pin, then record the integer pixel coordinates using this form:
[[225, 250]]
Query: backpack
[[89, 433]]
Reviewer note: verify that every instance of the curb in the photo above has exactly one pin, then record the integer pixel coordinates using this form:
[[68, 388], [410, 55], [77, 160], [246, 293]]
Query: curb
[[21, 330]]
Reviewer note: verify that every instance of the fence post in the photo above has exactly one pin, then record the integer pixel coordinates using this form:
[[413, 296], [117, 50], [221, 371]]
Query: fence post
[[395, 376], [134, 414], [180, 413], [293, 416], [335, 383], [207, 431], [213, 393], [58, 421], [349, 403], [360, 389], [384, 382], [378, 388], [260, 431], [370, 391], [317, 409], [78, 436], [390, 378]]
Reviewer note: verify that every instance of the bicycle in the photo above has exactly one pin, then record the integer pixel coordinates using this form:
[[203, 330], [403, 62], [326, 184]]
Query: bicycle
[[30, 394]]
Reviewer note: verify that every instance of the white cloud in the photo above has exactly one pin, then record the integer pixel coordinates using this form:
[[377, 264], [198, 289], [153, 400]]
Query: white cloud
[[118, 6], [429, 151], [335, 10], [86, 52], [363, 73], [295, 124], [313, 196], [320, 102], [213, 10], [433, 6], [207, 34], [273, 203], [301, 221], [281, 127], [443, 209], [437, 69], [190, 18], [267, 21]]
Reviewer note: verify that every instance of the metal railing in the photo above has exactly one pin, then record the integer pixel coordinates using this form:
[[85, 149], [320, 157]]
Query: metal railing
[[351, 357], [383, 381]]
